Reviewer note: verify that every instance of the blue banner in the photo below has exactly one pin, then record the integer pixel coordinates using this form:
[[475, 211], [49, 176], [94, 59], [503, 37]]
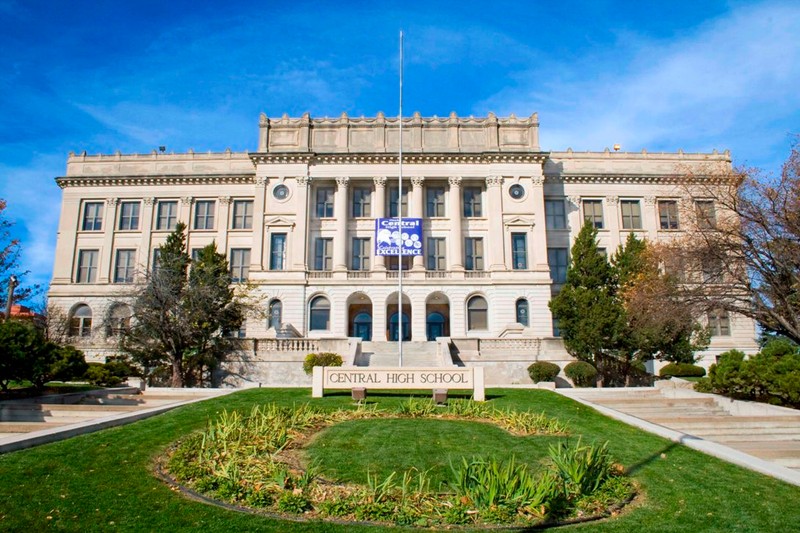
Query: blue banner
[[389, 238]]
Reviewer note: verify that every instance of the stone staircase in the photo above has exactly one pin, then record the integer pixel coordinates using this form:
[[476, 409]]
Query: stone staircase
[[769, 436], [419, 354]]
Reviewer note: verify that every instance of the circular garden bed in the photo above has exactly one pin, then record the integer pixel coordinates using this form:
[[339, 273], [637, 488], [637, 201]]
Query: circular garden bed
[[419, 465]]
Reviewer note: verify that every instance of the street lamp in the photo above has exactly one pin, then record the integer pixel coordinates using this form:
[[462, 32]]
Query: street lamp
[[12, 284]]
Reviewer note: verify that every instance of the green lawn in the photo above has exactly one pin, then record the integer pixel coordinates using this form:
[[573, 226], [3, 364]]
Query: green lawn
[[102, 481]]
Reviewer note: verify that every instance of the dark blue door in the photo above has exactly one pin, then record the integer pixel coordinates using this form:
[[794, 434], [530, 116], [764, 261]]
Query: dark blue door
[[394, 329], [434, 326], [362, 326]]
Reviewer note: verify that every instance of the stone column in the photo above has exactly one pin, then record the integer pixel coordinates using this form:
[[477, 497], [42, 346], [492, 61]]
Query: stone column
[[340, 211], [379, 211], [650, 221], [574, 218], [298, 244], [105, 271], [223, 216], [146, 226], [417, 209], [612, 223], [538, 246], [185, 211], [495, 248], [455, 256], [257, 251]]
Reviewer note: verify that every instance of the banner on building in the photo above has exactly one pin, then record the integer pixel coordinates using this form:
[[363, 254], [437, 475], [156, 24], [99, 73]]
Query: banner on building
[[389, 237]]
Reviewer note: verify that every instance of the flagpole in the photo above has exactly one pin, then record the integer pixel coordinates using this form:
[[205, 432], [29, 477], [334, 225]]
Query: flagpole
[[400, 214]]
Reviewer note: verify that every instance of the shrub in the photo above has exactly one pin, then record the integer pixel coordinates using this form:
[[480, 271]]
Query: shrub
[[581, 373], [70, 363], [321, 359], [681, 370], [98, 374], [543, 371]]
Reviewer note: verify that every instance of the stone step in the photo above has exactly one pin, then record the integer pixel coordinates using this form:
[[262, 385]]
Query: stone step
[[660, 401], [26, 427], [745, 432], [733, 439]]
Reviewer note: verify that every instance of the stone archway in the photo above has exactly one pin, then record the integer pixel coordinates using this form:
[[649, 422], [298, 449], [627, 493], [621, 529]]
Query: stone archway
[[397, 323], [359, 316], [437, 316]]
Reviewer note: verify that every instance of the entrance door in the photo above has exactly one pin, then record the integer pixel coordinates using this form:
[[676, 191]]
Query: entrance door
[[394, 329], [362, 326], [434, 326]]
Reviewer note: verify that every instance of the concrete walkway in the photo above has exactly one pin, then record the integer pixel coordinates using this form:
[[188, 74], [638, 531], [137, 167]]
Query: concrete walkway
[[761, 437], [34, 421]]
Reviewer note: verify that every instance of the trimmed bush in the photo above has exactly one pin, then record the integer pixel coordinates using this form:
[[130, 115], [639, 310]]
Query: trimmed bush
[[581, 373], [321, 359], [682, 370], [543, 371]]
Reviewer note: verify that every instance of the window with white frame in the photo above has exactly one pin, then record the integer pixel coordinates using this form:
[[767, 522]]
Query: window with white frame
[[519, 251], [473, 207], [706, 214], [277, 251], [477, 313], [393, 204], [668, 214], [167, 215], [558, 260], [434, 201], [87, 266], [80, 323], [204, 214], [240, 264], [92, 216], [719, 323], [324, 204], [124, 266], [437, 255], [631, 214], [473, 253], [362, 202], [593, 213], [361, 254], [242, 214], [129, 216], [555, 214], [323, 254], [319, 313]]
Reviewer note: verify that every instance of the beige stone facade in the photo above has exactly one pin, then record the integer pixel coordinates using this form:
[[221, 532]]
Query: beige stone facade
[[297, 217]]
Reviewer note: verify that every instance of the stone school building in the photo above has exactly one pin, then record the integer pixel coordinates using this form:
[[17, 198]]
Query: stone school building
[[297, 219]]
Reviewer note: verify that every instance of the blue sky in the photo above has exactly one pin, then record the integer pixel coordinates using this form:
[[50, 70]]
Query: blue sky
[[107, 75]]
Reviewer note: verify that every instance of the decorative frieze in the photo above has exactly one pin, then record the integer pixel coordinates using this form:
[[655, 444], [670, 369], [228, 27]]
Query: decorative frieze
[[494, 181]]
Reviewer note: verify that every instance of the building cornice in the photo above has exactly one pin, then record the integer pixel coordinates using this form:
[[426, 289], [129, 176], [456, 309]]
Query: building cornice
[[392, 158], [151, 180], [630, 178]]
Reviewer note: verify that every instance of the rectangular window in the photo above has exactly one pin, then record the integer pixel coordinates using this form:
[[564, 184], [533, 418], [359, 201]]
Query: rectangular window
[[361, 253], [435, 201], [195, 254], [156, 259], [706, 214], [323, 254], [393, 212], [362, 202], [87, 266], [437, 258], [240, 264], [473, 253], [593, 213], [631, 214], [167, 216], [129, 216], [556, 328], [277, 251], [242, 214], [204, 214], [92, 216], [668, 214], [559, 262], [125, 266], [712, 268], [555, 214], [519, 251], [392, 264], [719, 324], [324, 202], [472, 202]]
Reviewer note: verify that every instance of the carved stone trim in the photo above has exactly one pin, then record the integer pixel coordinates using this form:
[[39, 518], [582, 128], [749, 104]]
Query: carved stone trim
[[112, 201], [187, 200], [151, 181], [612, 200], [342, 182], [454, 181], [379, 181], [494, 181], [538, 181], [149, 200], [225, 200], [260, 181], [574, 200], [650, 201], [303, 181], [387, 158], [417, 181]]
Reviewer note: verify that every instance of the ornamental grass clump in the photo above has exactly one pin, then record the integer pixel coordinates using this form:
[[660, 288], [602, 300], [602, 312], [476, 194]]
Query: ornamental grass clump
[[253, 460]]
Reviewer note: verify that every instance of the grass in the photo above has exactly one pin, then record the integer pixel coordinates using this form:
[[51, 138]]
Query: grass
[[102, 481]]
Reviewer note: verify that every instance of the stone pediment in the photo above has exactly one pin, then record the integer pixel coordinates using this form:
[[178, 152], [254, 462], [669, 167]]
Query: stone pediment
[[278, 222], [520, 221]]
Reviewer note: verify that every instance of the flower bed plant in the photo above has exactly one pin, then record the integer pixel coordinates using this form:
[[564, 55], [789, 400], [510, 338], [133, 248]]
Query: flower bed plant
[[254, 461]]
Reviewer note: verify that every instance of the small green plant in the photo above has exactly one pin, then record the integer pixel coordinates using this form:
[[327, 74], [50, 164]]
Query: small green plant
[[681, 370], [321, 359], [581, 373], [294, 502], [583, 469], [416, 407], [543, 371]]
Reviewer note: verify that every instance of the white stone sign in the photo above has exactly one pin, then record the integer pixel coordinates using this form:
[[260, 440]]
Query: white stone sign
[[337, 377]]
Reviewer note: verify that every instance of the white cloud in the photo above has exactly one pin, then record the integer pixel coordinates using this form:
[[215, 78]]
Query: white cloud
[[724, 82]]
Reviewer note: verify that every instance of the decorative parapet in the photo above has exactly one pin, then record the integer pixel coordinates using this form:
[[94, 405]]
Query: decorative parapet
[[380, 134]]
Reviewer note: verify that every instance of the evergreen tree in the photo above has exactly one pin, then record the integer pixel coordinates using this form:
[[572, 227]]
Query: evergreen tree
[[184, 311], [589, 315]]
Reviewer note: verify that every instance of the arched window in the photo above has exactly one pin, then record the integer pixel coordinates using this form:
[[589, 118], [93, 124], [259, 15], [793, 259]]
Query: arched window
[[477, 313], [275, 314], [80, 324], [119, 320], [320, 314], [522, 312]]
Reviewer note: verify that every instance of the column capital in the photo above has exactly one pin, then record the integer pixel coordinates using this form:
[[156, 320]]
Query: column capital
[[417, 181], [224, 200], [112, 201], [538, 181], [342, 181], [494, 181], [454, 181], [187, 200], [612, 200], [303, 181], [574, 200], [149, 200], [379, 181], [260, 181], [650, 200]]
